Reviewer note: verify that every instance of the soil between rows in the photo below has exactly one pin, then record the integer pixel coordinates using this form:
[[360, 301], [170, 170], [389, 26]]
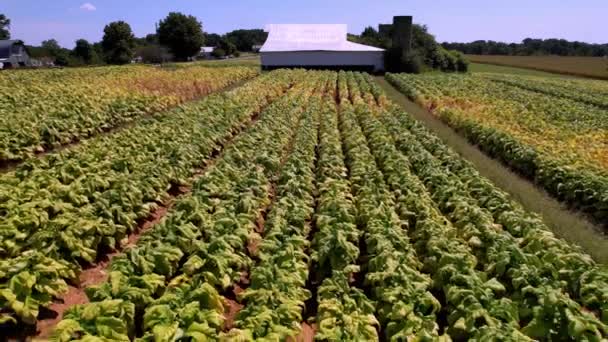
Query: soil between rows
[[97, 274], [253, 242]]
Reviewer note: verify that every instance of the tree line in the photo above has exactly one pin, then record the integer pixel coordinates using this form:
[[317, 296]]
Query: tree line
[[178, 37], [531, 47], [425, 53]]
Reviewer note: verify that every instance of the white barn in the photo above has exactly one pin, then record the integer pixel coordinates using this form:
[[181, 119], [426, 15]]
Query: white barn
[[317, 46], [206, 52]]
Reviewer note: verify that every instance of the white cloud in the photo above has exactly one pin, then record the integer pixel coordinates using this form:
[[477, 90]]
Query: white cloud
[[87, 6]]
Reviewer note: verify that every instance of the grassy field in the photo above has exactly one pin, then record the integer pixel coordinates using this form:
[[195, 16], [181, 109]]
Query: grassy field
[[248, 60], [501, 69], [592, 67]]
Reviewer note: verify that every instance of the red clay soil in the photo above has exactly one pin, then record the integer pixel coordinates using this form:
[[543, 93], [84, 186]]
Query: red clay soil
[[155, 217], [231, 306], [238, 289], [74, 296], [231, 309], [97, 274], [307, 334], [94, 275]]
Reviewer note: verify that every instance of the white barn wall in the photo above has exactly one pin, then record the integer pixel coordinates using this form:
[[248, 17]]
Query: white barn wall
[[323, 58]]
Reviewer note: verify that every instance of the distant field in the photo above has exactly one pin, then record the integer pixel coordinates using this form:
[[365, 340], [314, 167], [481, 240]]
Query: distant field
[[501, 69], [594, 67], [246, 60]]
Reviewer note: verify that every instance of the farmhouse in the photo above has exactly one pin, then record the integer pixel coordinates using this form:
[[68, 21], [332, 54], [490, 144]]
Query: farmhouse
[[13, 54], [317, 46]]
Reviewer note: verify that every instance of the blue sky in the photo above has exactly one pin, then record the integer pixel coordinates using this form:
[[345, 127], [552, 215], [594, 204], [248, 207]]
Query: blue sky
[[463, 20]]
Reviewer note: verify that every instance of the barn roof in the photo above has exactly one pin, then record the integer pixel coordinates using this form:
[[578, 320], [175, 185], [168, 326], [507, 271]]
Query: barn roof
[[310, 37], [5, 47]]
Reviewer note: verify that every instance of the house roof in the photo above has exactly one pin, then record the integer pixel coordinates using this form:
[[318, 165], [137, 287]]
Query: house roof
[[310, 37], [207, 49]]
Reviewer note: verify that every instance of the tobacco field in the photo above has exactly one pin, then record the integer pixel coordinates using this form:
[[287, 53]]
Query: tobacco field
[[44, 109], [553, 131], [298, 206]]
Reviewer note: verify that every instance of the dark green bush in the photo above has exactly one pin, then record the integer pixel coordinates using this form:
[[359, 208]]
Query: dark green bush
[[451, 61], [218, 53], [462, 63], [412, 63]]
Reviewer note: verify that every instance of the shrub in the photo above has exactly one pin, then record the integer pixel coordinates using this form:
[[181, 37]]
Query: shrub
[[154, 54], [412, 63], [451, 61], [462, 63], [218, 53], [435, 58]]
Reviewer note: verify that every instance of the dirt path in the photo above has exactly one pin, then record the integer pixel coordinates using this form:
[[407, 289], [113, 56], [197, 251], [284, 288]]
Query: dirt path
[[569, 225]]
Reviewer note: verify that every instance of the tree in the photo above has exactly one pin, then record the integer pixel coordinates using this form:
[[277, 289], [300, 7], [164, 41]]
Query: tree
[[154, 54], [84, 51], [51, 45], [62, 58], [151, 39], [227, 46], [371, 37], [182, 34], [244, 40], [218, 53], [50, 48], [5, 24], [212, 39], [531, 47], [118, 43]]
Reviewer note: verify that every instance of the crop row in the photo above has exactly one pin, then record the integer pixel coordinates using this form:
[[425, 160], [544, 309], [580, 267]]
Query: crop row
[[445, 281], [344, 311], [274, 301], [538, 272], [590, 92], [60, 210], [45, 109], [562, 265], [337, 192], [200, 249], [559, 143]]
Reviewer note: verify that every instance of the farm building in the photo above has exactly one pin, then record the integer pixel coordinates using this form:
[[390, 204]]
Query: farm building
[[317, 46], [13, 54], [206, 52]]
